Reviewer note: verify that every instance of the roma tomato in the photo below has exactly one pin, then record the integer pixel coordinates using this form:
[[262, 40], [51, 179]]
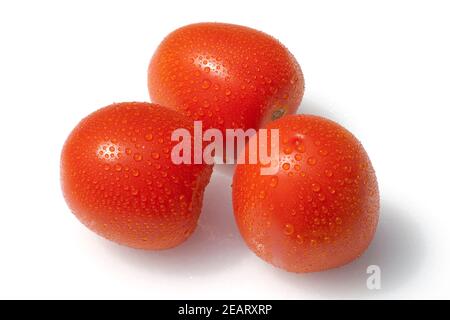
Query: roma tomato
[[227, 76], [118, 178], [320, 209]]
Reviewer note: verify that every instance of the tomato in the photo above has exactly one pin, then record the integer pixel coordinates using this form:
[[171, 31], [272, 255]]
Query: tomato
[[118, 178], [320, 209], [227, 76]]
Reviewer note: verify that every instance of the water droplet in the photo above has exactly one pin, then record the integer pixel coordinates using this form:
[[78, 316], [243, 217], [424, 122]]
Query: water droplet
[[288, 229], [338, 220], [118, 167], [149, 137], [286, 166], [137, 157], [315, 187], [262, 194], [128, 151], [328, 173], [323, 152], [299, 239], [301, 148], [112, 149], [206, 84], [274, 182], [155, 155], [135, 172], [312, 161], [107, 167], [287, 150], [228, 92], [298, 156]]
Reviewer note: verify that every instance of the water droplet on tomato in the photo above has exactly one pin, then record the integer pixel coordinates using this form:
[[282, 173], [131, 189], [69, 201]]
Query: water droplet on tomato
[[312, 161], [206, 84], [149, 137], [155, 155], [288, 229], [274, 182], [135, 172], [315, 187]]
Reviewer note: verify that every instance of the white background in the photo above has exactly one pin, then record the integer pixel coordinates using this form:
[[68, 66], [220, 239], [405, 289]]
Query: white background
[[380, 68]]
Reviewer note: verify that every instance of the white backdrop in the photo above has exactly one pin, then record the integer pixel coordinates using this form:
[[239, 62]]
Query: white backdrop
[[380, 68]]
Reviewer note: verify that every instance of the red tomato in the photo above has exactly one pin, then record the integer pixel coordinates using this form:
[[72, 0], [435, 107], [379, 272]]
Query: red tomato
[[118, 178], [320, 210], [226, 75]]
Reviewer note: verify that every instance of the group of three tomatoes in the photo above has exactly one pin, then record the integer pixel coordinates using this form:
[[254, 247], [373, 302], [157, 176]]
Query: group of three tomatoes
[[319, 209]]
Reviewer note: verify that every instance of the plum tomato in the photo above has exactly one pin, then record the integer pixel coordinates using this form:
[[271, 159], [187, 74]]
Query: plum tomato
[[227, 76], [118, 178], [320, 209]]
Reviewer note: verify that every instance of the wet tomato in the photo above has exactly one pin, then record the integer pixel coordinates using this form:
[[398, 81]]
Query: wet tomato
[[320, 209], [227, 76], [118, 178]]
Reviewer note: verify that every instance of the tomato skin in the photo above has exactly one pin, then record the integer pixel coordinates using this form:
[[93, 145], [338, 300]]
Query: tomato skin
[[226, 75], [320, 210], [118, 178]]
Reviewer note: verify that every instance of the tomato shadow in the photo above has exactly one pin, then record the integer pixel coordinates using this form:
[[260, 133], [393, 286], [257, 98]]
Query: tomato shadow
[[215, 245], [308, 106], [398, 249]]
